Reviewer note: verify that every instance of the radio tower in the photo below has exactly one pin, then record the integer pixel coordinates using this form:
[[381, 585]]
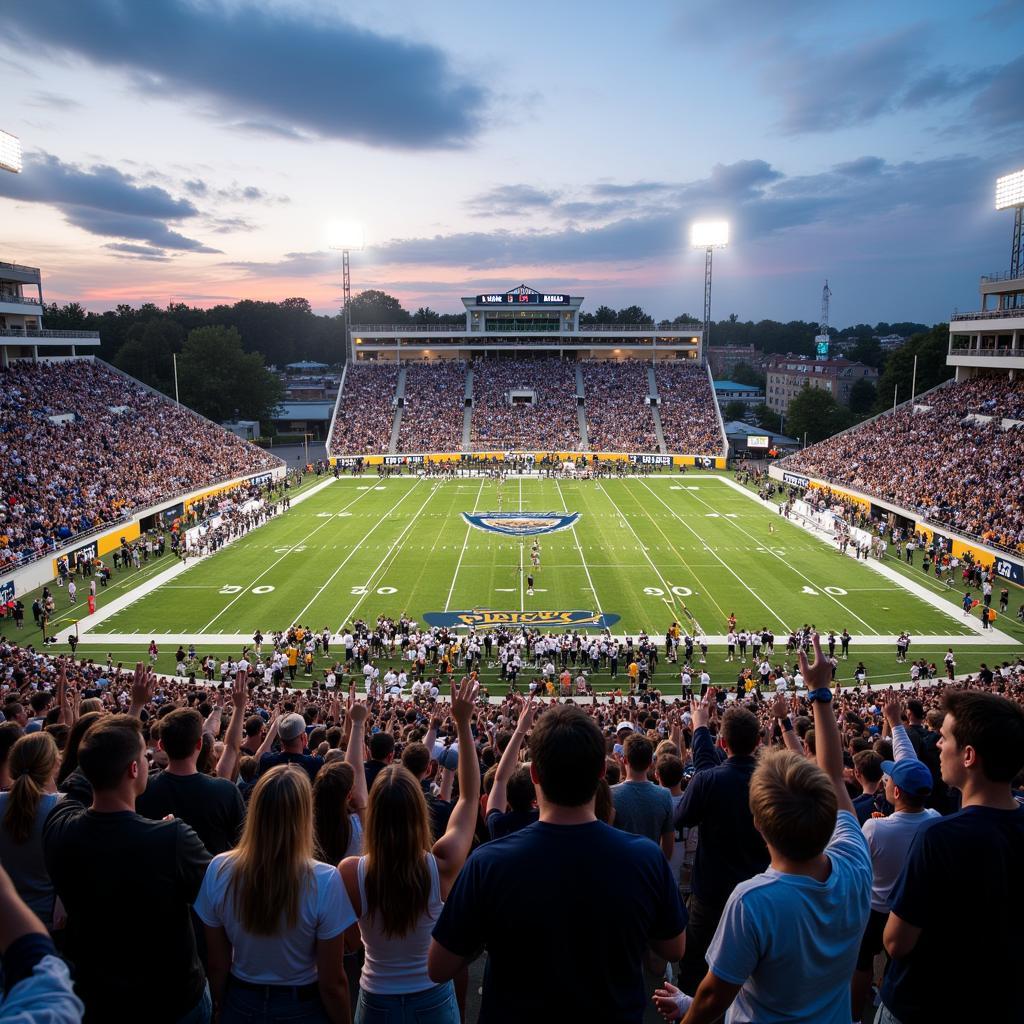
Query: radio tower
[[822, 340]]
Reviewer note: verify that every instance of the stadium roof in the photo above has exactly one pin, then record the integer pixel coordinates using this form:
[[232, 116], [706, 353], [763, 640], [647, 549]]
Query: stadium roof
[[737, 428], [304, 411], [731, 385]]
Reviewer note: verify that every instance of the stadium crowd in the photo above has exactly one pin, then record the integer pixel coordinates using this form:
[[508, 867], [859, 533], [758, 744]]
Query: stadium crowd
[[550, 423], [689, 418], [937, 459], [618, 416], [366, 413], [434, 407], [300, 856], [82, 446]]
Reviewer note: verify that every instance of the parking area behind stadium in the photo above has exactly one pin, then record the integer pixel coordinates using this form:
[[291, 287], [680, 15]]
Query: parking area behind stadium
[[644, 551]]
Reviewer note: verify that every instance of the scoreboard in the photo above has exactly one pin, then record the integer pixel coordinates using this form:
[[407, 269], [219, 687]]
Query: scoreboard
[[522, 298]]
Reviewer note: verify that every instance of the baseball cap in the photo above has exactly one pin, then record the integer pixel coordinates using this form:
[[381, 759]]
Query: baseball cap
[[911, 775], [624, 725], [291, 727]]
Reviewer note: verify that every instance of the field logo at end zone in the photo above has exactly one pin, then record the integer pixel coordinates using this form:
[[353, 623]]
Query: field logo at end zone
[[486, 617], [521, 524]]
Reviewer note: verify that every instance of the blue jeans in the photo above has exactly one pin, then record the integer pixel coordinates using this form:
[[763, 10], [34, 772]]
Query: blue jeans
[[431, 1006], [284, 1006], [201, 1012]]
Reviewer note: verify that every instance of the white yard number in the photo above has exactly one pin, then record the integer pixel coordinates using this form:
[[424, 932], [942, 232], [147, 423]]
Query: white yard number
[[810, 590], [386, 590], [230, 588], [682, 591], [835, 591], [654, 592], [262, 590], [358, 590]]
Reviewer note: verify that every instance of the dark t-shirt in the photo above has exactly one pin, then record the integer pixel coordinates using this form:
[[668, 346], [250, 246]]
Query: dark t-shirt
[[372, 769], [979, 935], [591, 932], [272, 759], [213, 807], [504, 823], [127, 884]]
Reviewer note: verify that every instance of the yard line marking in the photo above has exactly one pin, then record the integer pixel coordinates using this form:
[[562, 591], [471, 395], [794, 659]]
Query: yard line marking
[[586, 568], [458, 565], [387, 554], [356, 547], [805, 578], [291, 547], [726, 566], [671, 599], [522, 577]]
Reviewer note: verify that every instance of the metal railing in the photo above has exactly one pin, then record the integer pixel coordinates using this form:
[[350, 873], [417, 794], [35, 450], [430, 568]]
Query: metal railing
[[994, 353], [988, 314], [15, 332], [19, 267], [5, 297], [408, 329], [1006, 275]]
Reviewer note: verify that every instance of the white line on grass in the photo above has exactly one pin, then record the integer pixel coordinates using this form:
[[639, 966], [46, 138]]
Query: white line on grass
[[586, 568], [789, 565], [462, 554], [522, 577], [356, 547], [753, 593], [387, 555], [291, 547]]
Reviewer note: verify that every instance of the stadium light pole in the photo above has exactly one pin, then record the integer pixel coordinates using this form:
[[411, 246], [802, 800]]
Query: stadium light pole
[[346, 236], [708, 235], [1010, 196], [10, 153]]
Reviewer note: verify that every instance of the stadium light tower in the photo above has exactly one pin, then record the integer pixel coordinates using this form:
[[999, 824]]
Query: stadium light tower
[[708, 235], [1010, 196], [346, 236], [10, 153]]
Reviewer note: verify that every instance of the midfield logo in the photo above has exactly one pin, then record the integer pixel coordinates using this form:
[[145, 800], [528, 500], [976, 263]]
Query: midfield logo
[[483, 618], [521, 524]]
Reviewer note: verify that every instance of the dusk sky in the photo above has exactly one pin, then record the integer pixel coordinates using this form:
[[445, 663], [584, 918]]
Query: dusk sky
[[195, 151]]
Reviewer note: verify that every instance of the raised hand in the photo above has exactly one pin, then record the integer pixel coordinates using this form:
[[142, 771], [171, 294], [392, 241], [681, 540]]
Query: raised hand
[[892, 709], [143, 685], [240, 692], [699, 714], [819, 675], [464, 699], [670, 1002], [527, 712], [780, 708]]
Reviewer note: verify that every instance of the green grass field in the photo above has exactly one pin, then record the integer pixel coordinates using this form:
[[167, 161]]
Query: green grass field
[[641, 549]]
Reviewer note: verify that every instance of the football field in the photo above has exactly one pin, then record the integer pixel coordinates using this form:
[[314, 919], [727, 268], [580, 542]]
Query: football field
[[637, 553]]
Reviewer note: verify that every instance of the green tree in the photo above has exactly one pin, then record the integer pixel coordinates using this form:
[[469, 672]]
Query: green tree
[[377, 307], [744, 373], [867, 351], [222, 382], [426, 315], [734, 410], [148, 353], [685, 320], [633, 315], [767, 418], [931, 348], [814, 412], [863, 396]]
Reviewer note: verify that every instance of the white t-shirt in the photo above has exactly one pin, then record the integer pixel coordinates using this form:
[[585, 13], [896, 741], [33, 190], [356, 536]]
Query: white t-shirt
[[289, 958], [791, 941], [889, 841]]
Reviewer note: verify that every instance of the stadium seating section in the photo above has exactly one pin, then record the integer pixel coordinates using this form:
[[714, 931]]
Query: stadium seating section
[[618, 418], [82, 445], [434, 407], [689, 419], [364, 418], [949, 457]]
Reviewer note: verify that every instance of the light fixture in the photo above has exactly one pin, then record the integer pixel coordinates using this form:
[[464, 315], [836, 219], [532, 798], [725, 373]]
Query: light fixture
[[1010, 190], [345, 234], [709, 234], [10, 153]]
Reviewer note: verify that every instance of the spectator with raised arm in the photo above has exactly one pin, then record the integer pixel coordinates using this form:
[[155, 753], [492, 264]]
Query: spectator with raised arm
[[510, 803]]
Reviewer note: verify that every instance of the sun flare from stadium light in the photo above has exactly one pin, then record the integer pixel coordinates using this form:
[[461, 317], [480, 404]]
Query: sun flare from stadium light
[[345, 234], [709, 234], [1010, 190], [10, 153]]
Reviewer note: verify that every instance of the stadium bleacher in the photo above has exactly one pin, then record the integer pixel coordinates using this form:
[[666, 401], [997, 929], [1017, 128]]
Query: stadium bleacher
[[618, 419], [365, 416], [433, 413], [82, 445], [689, 419]]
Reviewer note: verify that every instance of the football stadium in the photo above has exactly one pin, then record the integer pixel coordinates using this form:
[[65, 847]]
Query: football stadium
[[528, 658]]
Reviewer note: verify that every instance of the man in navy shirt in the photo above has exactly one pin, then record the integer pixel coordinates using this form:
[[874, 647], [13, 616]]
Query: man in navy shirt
[[496, 902], [291, 731], [980, 935]]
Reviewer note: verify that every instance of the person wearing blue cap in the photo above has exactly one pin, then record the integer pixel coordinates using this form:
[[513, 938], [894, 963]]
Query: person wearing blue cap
[[907, 782]]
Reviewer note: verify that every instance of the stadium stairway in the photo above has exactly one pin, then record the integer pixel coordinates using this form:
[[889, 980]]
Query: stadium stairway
[[467, 415], [718, 411], [396, 426], [581, 409], [652, 390]]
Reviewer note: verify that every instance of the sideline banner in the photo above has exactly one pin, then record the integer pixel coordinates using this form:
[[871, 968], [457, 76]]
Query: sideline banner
[[485, 618]]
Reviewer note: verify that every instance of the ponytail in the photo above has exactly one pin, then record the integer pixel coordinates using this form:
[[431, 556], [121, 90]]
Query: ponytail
[[31, 763]]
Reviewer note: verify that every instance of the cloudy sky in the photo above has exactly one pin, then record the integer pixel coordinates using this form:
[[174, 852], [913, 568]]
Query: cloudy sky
[[194, 150]]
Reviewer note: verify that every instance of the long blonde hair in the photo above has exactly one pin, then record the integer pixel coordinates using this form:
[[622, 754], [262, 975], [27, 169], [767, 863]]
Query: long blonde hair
[[31, 762], [272, 864], [396, 838]]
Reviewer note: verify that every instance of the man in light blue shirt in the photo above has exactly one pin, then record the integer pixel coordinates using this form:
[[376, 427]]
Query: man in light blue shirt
[[787, 943]]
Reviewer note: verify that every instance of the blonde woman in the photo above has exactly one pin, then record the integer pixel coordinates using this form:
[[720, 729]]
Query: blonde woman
[[398, 886], [33, 762], [275, 917]]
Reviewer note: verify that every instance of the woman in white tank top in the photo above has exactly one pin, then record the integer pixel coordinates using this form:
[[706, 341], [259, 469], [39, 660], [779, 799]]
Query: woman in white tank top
[[398, 886]]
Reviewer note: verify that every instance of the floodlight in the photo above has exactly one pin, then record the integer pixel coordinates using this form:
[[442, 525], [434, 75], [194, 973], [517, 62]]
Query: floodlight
[[1010, 190], [10, 153], [708, 234], [345, 234]]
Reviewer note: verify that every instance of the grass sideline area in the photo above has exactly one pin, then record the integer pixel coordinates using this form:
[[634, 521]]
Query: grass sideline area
[[647, 549]]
